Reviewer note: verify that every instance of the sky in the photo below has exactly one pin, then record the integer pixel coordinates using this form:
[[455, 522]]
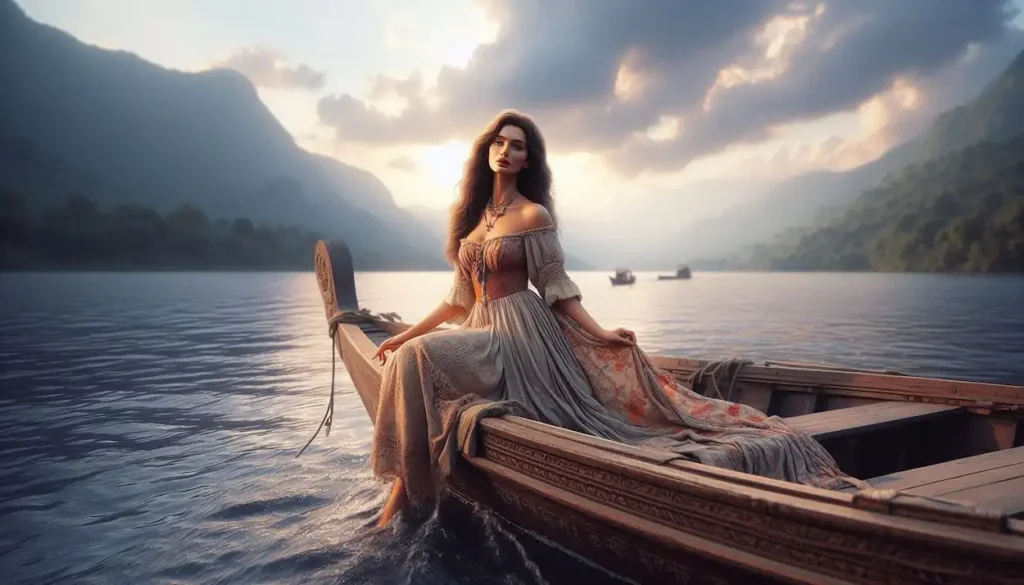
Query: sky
[[701, 101]]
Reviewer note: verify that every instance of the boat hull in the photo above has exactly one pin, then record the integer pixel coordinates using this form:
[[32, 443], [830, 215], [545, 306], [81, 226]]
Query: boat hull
[[509, 478]]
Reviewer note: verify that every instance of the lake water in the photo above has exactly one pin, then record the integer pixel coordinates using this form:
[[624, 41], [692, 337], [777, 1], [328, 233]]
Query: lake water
[[149, 422]]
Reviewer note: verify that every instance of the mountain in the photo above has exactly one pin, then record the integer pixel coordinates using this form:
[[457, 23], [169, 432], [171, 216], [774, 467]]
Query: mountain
[[962, 212], [123, 130], [434, 219], [799, 201], [805, 200], [951, 207], [997, 114]]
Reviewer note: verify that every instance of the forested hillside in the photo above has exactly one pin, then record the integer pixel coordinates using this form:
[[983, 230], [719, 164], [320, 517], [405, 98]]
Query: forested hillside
[[963, 212], [809, 201]]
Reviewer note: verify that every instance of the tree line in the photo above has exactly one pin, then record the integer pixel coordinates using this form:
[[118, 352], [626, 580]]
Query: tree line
[[79, 235]]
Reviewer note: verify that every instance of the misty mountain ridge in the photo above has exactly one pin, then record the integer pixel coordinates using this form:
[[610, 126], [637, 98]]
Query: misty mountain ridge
[[134, 132]]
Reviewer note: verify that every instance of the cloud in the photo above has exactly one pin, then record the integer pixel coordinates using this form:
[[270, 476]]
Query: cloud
[[403, 163], [906, 108], [721, 73], [267, 68]]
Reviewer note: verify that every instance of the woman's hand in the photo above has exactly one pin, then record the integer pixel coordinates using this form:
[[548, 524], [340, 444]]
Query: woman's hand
[[573, 309], [620, 336], [389, 344]]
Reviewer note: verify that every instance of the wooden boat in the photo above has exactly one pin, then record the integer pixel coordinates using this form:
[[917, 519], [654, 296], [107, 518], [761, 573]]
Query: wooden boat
[[622, 276], [945, 459], [682, 273]]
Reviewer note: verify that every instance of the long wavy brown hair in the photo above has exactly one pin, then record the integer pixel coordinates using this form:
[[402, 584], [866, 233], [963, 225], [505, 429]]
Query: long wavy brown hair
[[477, 183]]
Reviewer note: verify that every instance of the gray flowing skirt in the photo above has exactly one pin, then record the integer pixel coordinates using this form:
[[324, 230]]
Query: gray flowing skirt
[[519, 351]]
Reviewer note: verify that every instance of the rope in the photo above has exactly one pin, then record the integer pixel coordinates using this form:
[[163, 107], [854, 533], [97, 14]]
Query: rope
[[352, 317], [714, 370]]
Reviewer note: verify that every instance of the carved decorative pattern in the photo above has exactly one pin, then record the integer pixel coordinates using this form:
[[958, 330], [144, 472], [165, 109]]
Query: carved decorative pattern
[[868, 558], [600, 538], [325, 278], [560, 523]]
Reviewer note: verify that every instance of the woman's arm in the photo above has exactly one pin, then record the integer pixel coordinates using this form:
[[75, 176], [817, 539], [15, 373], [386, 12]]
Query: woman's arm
[[573, 309], [441, 314]]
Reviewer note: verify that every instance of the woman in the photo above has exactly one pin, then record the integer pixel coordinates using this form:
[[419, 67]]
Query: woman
[[544, 352]]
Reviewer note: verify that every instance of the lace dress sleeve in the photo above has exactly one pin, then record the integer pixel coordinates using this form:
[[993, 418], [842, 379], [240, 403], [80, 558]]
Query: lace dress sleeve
[[546, 264], [460, 295]]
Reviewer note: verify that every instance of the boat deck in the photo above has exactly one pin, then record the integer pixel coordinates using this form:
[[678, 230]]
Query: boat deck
[[845, 422], [993, 481]]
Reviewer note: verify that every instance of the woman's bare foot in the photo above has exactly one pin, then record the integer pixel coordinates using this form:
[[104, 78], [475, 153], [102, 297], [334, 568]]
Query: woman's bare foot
[[397, 501]]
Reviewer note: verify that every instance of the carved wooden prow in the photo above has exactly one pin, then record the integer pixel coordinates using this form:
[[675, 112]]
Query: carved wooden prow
[[335, 276], [336, 280]]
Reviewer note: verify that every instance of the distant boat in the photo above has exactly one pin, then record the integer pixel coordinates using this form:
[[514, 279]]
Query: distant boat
[[682, 273], [622, 276]]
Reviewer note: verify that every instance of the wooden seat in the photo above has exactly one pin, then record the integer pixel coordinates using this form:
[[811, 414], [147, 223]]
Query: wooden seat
[[843, 422], [992, 480]]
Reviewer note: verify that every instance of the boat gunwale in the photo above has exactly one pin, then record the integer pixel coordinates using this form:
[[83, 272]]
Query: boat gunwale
[[831, 380]]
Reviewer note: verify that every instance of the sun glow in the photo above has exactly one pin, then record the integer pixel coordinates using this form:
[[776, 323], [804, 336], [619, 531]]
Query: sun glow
[[442, 164]]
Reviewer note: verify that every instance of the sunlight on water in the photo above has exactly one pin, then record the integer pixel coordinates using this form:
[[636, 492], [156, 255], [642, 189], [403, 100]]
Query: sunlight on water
[[931, 325], [149, 422]]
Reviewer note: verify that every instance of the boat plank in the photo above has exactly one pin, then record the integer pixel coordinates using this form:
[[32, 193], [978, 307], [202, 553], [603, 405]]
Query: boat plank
[[1007, 496], [841, 413], [947, 487], [834, 424], [881, 410], [1001, 488], [957, 473]]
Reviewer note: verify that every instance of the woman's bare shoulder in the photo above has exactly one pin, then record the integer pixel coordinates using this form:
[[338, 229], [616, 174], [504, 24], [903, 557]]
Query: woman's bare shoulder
[[533, 215]]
